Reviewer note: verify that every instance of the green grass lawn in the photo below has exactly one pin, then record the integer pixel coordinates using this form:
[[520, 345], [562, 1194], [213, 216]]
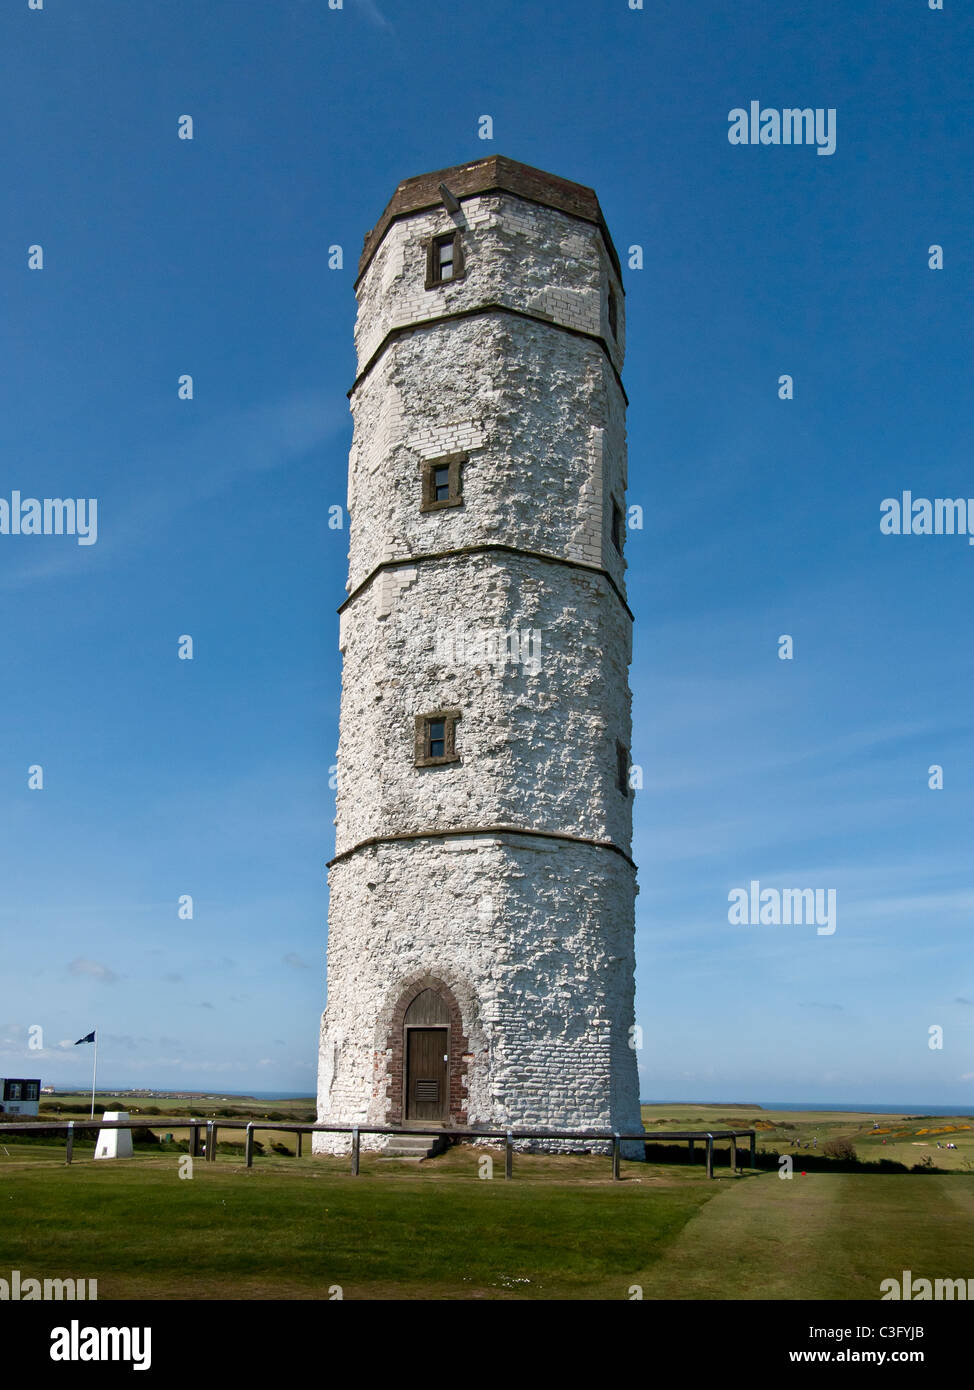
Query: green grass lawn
[[822, 1236], [289, 1230], [560, 1230]]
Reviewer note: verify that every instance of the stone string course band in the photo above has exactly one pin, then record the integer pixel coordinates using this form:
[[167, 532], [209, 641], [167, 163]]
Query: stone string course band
[[433, 555], [563, 325], [472, 830]]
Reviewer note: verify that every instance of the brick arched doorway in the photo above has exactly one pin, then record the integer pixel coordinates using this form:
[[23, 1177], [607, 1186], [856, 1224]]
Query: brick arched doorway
[[427, 1050]]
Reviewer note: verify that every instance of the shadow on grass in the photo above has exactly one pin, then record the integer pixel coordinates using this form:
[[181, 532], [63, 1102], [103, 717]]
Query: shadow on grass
[[770, 1159]]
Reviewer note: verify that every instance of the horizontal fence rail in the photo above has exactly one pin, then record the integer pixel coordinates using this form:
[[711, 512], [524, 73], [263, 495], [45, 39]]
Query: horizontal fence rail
[[509, 1137]]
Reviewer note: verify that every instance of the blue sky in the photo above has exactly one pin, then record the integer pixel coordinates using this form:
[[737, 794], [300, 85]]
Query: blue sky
[[209, 777]]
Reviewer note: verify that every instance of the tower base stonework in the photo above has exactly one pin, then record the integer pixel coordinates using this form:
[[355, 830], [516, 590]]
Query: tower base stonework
[[528, 941]]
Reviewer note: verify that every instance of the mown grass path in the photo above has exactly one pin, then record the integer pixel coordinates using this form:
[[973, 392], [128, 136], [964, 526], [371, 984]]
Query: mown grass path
[[832, 1236]]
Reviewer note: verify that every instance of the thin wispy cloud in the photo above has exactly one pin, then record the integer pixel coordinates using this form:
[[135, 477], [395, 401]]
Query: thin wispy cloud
[[295, 961], [93, 968], [371, 12]]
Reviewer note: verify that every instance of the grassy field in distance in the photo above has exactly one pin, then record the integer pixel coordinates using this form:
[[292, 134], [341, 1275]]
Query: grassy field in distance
[[160, 1108], [908, 1140]]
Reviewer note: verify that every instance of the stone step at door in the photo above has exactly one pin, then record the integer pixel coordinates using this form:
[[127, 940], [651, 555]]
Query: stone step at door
[[414, 1147]]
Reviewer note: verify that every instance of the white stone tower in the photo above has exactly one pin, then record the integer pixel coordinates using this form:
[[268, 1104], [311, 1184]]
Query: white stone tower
[[480, 949]]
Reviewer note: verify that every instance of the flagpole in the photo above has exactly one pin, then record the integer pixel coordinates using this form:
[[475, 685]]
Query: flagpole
[[94, 1071]]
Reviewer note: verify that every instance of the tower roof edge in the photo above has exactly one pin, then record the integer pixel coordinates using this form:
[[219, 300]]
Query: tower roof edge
[[494, 173]]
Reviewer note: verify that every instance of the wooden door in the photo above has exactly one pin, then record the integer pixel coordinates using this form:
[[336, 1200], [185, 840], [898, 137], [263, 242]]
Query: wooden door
[[427, 1074]]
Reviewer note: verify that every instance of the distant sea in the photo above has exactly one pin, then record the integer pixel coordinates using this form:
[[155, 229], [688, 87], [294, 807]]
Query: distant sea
[[869, 1109], [946, 1109]]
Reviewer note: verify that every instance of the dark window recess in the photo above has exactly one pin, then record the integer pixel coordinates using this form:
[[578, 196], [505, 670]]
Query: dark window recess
[[618, 527], [436, 738], [622, 768], [444, 260], [443, 482], [613, 313]]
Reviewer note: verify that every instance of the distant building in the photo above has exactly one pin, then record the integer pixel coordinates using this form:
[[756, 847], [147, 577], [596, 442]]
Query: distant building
[[19, 1096]]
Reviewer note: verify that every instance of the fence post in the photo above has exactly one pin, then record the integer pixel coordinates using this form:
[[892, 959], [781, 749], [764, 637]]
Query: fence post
[[69, 1147], [733, 1153], [691, 1150], [754, 1149], [300, 1137], [355, 1151], [194, 1139], [616, 1155], [710, 1155], [209, 1141], [249, 1144], [211, 1153], [509, 1155]]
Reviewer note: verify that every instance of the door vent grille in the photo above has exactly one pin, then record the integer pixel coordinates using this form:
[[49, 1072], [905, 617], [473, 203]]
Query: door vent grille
[[428, 1090]]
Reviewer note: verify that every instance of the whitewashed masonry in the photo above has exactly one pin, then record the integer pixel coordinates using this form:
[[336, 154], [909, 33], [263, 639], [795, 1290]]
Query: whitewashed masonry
[[480, 948]]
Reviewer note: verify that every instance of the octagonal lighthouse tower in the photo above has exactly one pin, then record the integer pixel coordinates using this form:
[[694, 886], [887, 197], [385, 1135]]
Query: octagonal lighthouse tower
[[480, 929]]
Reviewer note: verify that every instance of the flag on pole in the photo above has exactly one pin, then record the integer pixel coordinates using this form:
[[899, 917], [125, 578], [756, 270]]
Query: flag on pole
[[90, 1037]]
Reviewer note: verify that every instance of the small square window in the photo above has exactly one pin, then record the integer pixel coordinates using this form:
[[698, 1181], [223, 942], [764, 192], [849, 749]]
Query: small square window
[[442, 482], [622, 768], [444, 260], [613, 313], [436, 738], [618, 526], [31, 1090]]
